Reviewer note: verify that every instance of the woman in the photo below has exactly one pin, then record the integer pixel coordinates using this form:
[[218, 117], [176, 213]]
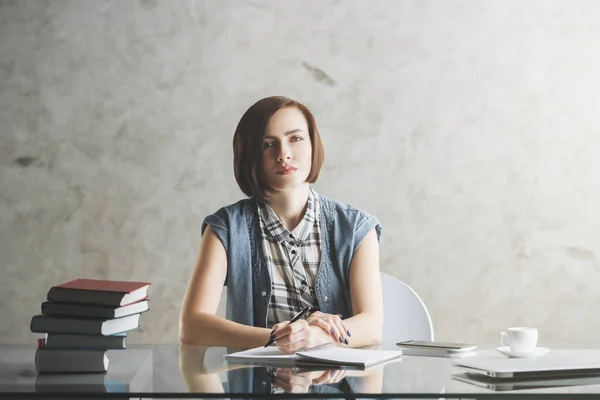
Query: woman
[[284, 248]]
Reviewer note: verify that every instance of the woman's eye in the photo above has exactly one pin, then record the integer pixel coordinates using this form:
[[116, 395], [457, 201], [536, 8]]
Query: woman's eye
[[297, 138], [268, 144]]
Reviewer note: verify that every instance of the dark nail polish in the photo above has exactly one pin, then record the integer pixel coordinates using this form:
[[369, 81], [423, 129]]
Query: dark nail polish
[[272, 332], [340, 315], [331, 330], [340, 339], [346, 341], [330, 372], [348, 332], [272, 337]]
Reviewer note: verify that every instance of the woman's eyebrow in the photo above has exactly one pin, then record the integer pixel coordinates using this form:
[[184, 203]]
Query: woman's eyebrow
[[285, 134]]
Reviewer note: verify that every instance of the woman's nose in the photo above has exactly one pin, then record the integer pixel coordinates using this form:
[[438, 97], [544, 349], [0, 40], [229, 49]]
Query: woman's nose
[[284, 153]]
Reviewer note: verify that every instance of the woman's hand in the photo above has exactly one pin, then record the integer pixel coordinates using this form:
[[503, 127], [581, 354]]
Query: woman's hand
[[298, 335], [331, 323], [291, 382]]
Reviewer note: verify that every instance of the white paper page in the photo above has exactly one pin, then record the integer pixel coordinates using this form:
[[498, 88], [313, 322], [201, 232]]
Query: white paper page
[[351, 356], [262, 353]]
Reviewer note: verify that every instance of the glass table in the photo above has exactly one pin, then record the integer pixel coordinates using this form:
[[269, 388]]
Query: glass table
[[174, 371]]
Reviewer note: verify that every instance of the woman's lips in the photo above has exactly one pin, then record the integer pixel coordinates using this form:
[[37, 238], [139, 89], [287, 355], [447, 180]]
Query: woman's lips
[[286, 170]]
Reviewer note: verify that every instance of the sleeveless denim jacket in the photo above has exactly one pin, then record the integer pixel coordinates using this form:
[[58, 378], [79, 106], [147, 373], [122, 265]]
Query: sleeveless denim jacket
[[343, 227]]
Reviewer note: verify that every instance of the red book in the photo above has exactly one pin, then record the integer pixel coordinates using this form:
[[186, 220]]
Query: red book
[[99, 292]]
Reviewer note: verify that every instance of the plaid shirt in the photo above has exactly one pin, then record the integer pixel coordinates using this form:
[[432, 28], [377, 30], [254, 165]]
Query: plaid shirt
[[292, 259]]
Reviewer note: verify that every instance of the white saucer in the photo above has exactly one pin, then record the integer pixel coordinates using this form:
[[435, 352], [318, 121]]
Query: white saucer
[[539, 351]]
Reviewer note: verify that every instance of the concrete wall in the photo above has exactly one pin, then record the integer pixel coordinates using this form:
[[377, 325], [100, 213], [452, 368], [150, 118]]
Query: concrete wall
[[469, 127]]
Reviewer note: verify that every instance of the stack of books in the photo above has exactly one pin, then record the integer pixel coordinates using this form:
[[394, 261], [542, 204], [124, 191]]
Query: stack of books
[[84, 318]]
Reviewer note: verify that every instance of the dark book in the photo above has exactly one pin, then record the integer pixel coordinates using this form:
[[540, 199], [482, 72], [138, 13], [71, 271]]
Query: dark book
[[49, 361], [83, 326], [89, 342], [86, 310], [99, 292]]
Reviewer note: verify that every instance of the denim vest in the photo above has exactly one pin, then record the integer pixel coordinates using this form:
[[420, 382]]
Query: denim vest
[[343, 227]]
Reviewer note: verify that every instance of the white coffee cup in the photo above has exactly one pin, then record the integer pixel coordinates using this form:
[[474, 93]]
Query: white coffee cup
[[520, 339]]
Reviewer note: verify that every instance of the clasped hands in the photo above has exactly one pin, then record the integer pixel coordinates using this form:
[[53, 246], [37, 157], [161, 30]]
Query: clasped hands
[[317, 329]]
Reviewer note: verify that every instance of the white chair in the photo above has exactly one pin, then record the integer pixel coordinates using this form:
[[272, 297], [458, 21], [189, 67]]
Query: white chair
[[405, 316]]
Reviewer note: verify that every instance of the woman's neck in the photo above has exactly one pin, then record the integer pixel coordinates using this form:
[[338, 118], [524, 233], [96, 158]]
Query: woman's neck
[[289, 205]]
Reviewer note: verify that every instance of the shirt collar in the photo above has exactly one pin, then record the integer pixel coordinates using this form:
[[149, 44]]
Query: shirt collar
[[279, 232]]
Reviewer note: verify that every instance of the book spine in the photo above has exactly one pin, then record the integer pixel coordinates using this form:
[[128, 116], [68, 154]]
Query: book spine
[[50, 308], [95, 297], [41, 324], [88, 342]]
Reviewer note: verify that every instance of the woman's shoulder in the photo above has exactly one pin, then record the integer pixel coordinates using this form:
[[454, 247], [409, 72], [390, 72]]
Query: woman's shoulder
[[238, 209], [340, 207], [348, 218]]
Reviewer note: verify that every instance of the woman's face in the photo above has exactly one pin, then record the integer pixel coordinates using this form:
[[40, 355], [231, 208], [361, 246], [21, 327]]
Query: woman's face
[[287, 150]]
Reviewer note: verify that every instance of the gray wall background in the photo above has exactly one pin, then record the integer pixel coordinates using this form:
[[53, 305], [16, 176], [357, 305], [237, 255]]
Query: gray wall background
[[469, 127]]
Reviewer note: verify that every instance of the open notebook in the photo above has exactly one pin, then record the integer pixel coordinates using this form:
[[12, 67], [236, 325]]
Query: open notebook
[[326, 354]]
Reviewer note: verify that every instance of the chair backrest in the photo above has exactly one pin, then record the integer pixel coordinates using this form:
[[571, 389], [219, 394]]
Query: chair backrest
[[405, 316]]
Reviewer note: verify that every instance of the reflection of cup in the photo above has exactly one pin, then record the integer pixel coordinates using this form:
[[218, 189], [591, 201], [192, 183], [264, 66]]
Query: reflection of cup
[[520, 340]]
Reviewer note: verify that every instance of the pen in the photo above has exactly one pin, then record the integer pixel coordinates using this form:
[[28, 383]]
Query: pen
[[296, 318]]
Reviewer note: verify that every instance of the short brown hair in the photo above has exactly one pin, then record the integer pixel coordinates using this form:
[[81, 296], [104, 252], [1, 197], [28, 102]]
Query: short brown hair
[[248, 144]]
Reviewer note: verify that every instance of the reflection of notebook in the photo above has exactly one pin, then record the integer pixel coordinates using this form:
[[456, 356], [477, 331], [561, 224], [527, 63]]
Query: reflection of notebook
[[327, 354], [559, 363], [522, 384]]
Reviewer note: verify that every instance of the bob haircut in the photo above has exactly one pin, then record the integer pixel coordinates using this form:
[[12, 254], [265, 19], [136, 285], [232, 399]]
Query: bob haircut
[[248, 145]]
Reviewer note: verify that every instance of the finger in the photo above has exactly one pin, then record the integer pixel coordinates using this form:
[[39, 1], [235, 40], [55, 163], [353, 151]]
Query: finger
[[292, 333], [323, 378], [342, 334], [344, 328], [338, 375], [313, 375], [292, 328], [323, 325], [291, 347], [285, 349], [284, 371], [316, 314], [292, 380], [278, 326], [336, 327], [327, 324], [282, 385]]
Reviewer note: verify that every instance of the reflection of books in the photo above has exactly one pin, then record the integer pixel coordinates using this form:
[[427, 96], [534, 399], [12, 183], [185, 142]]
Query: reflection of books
[[131, 372], [504, 384], [88, 342], [50, 361], [71, 383], [92, 311], [326, 355]]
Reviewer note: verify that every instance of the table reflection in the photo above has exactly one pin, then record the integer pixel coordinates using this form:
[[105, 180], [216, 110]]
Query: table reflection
[[204, 370]]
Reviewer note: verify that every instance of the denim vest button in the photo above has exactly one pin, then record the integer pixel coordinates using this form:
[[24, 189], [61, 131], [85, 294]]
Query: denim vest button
[[325, 298], [263, 293]]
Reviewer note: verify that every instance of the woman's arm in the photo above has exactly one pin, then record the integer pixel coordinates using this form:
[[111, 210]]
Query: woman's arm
[[366, 325], [198, 323]]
